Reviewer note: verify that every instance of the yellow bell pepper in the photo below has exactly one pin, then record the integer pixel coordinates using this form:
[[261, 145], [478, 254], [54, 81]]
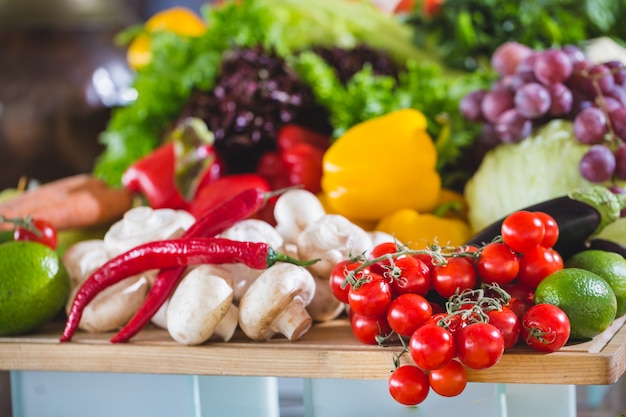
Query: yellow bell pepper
[[382, 165], [418, 231]]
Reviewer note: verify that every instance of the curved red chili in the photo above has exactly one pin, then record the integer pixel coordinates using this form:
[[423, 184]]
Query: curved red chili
[[212, 222], [169, 254]]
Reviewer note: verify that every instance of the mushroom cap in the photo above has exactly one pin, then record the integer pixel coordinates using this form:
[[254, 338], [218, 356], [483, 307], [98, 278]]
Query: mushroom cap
[[331, 239], [276, 302], [254, 230], [294, 211], [197, 305], [143, 224]]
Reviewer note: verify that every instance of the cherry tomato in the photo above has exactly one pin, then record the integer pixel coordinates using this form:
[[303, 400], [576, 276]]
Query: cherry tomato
[[384, 248], [551, 229], [521, 297], [338, 273], [456, 275], [545, 327], [408, 385], [536, 264], [407, 312], [431, 347], [497, 264], [479, 345], [450, 380], [508, 323], [371, 298], [367, 329], [522, 231], [410, 275], [426, 258], [47, 233]]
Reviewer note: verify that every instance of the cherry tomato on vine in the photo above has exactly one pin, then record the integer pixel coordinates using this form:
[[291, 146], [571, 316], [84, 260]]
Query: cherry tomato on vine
[[371, 298], [432, 347], [407, 312], [536, 264], [450, 380], [367, 329], [426, 258], [521, 297], [497, 264], [456, 275], [545, 327], [551, 228], [338, 277], [410, 276], [408, 385], [508, 323], [384, 248], [479, 345], [522, 231], [47, 233]]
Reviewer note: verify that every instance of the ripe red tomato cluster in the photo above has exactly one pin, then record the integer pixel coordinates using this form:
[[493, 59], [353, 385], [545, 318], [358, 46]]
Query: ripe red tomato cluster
[[396, 294]]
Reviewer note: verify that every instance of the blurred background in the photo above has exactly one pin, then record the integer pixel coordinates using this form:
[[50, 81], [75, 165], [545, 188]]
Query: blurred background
[[60, 75]]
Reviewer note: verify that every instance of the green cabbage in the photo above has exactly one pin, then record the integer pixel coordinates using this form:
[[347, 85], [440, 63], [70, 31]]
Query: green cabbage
[[514, 176]]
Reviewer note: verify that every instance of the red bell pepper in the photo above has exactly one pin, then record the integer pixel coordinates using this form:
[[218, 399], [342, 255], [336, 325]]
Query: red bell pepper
[[169, 176], [298, 160]]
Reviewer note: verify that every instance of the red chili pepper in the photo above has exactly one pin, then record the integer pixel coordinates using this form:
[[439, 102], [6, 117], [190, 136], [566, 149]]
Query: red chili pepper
[[214, 221], [170, 253], [214, 193]]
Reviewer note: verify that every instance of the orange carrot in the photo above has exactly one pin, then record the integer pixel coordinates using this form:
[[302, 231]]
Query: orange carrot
[[74, 202]]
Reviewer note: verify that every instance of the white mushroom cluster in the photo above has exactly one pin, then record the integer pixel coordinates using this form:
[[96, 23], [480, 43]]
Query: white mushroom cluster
[[213, 301]]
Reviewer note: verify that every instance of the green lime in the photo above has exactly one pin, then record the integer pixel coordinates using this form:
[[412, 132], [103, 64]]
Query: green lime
[[587, 299], [610, 266], [34, 286]]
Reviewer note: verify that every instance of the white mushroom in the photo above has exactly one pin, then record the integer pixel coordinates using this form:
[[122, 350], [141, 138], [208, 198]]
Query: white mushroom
[[249, 230], [143, 224], [276, 303], [254, 230], [294, 211], [226, 327], [331, 239], [114, 306], [82, 258], [160, 317], [198, 304], [324, 306]]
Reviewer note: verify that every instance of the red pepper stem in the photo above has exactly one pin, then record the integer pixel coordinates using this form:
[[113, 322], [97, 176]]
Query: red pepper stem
[[273, 257], [169, 253], [274, 193]]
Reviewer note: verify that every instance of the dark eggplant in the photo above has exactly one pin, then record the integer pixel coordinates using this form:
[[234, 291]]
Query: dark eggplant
[[606, 245], [578, 221]]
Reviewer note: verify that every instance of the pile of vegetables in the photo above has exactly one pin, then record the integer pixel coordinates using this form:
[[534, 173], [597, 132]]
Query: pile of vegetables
[[197, 76]]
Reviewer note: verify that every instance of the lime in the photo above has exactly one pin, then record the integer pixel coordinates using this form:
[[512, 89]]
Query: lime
[[586, 298], [34, 286], [610, 266]]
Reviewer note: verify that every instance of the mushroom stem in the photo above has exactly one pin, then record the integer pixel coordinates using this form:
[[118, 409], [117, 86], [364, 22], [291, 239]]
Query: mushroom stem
[[225, 328], [294, 321]]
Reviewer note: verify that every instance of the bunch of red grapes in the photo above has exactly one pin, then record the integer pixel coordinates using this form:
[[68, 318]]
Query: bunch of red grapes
[[537, 86]]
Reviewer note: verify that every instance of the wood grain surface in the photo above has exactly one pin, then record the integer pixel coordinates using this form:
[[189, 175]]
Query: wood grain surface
[[328, 350]]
